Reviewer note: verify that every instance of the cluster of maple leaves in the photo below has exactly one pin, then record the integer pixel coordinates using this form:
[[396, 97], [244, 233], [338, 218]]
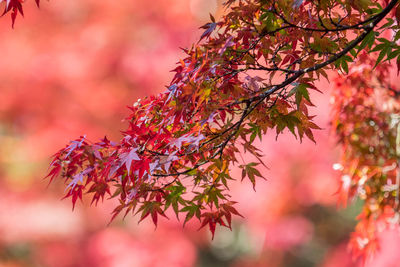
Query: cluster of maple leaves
[[249, 73], [15, 7], [365, 119]]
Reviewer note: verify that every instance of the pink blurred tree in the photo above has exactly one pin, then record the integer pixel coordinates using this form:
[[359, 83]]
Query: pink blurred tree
[[251, 72]]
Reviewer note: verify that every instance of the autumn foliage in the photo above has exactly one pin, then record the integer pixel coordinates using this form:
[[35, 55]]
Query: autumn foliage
[[365, 119], [251, 72]]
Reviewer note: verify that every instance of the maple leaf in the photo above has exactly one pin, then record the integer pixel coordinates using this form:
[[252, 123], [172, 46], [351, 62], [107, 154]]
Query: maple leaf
[[75, 193], [127, 158], [251, 172], [153, 209], [78, 178], [210, 27], [212, 219], [14, 6], [74, 145], [228, 211]]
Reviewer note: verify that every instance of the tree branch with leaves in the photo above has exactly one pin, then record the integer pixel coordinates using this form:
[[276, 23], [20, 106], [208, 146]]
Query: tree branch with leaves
[[250, 73]]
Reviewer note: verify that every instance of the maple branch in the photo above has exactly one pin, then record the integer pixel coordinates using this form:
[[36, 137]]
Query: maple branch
[[258, 99], [215, 101]]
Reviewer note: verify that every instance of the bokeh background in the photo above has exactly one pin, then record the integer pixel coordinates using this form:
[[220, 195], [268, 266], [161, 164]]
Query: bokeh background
[[71, 68]]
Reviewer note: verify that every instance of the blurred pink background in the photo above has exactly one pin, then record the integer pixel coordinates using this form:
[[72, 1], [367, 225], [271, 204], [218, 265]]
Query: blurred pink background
[[71, 68]]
